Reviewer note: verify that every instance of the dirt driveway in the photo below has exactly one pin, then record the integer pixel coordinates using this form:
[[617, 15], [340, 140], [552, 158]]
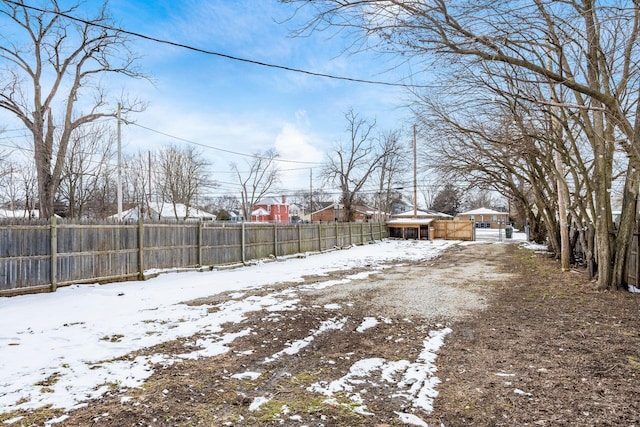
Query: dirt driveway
[[498, 333]]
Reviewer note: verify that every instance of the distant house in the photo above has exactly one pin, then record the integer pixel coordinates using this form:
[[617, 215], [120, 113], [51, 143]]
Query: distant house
[[159, 210], [335, 212], [296, 212], [485, 218], [236, 216], [271, 209], [400, 206], [260, 215], [21, 213]]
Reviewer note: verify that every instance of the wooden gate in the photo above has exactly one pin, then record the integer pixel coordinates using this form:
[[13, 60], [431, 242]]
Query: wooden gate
[[453, 230]]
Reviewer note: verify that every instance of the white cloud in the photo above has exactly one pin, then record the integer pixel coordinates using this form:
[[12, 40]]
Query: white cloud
[[212, 128], [293, 143]]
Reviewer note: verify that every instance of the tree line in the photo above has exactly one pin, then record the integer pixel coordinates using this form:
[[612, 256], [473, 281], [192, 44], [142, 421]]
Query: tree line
[[175, 175], [537, 99]]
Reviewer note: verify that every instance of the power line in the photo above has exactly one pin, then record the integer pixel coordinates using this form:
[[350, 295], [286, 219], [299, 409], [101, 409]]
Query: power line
[[314, 164], [199, 144], [219, 54]]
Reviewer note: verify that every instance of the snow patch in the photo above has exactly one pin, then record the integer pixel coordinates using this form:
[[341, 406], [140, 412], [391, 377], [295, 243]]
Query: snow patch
[[417, 383], [296, 346], [522, 393], [367, 323], [247, 375], [411, 419], [258, 402]]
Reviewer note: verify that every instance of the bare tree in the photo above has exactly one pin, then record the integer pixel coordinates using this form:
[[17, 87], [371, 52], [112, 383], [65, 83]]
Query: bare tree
[[6, 175], [479, 199], [18, 187], [428, 186], [392, 172], [261, 177], [181, 176], [222, 206], [351, 163], [312, 201], [51, 80], [104, 201], [500, 155], [91, 150], [138, 182]]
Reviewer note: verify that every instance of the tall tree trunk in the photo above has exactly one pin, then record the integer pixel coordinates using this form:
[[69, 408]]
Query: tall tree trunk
[[602, 150], [590, 233], [47, 183], [604, 231], [626, 229], [565, 246]]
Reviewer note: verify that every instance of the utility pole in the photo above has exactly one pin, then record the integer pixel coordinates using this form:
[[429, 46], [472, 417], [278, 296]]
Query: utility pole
[[311, 195], [149, 198], [415, 173], [119, 165]]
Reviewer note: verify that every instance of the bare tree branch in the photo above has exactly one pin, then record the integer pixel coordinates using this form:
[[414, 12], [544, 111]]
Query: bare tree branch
[[55, 67]]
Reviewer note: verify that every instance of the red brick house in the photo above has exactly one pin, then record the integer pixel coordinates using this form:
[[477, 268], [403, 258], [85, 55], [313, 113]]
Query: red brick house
[[270, 209]]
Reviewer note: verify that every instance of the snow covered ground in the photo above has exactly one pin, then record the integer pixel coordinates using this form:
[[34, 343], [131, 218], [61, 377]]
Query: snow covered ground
[[61, 348]]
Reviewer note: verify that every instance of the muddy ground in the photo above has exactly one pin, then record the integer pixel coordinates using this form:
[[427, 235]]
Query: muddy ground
[[528, 345]]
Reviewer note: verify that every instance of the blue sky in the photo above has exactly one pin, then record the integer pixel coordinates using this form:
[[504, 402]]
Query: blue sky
[[243, 107]]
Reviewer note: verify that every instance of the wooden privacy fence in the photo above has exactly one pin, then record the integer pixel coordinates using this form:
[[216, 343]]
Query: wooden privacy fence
[[39, 256], [453, 230]]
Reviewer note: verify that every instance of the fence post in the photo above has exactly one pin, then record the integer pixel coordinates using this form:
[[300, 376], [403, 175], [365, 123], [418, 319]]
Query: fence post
[[140, 248], [242, 243], [319, 237], [299, 238], [200, 224], [350, 234], [54, 254], [275, 240]]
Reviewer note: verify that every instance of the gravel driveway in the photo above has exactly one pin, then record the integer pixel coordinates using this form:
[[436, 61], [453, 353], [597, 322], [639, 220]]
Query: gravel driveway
[[350, 354]]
